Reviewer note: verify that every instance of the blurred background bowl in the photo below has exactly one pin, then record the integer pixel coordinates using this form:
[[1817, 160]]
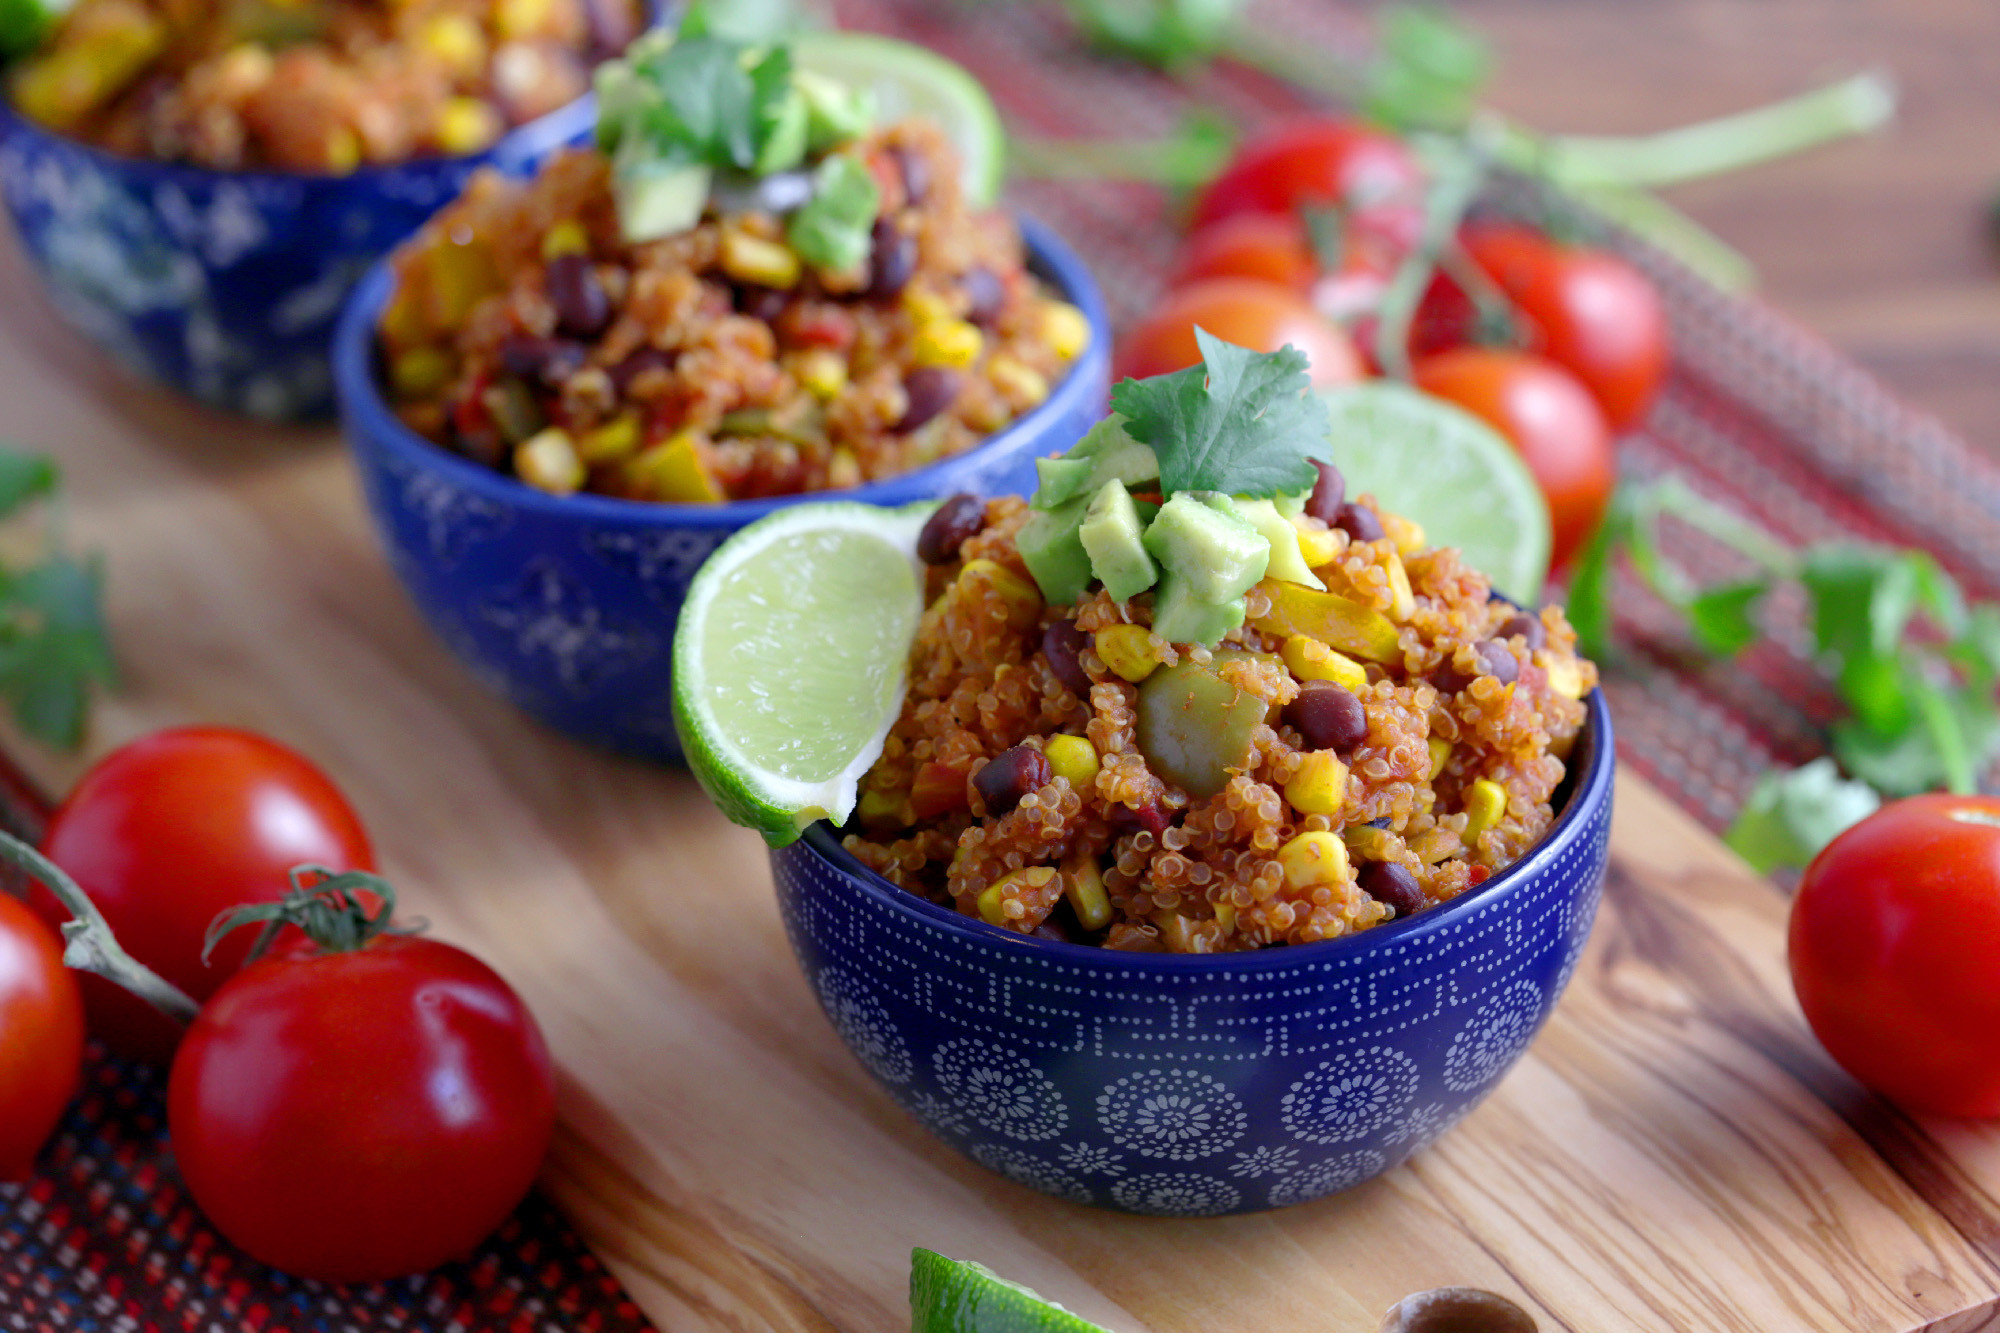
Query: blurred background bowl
[[566, 604], [1184, 1085]]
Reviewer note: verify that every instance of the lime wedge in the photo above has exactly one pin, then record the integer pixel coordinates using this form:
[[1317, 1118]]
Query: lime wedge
[[910, 80], [954, 1296], [1448, 471], [789, 660]]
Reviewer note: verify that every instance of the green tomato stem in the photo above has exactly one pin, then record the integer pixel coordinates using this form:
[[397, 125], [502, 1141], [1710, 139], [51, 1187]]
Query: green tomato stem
[[1457, 172], [1727, 526], [88, 944], [1668, 229], [1177, 162]]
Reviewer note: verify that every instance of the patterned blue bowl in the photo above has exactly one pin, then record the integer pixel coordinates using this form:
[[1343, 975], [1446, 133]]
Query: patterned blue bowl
[[226, 285], [566, 604], [1192, 1086]]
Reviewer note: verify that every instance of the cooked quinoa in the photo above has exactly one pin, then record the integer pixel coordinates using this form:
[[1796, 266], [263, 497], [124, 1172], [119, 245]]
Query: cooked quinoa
[[321, 86], [713, 364], [1015, 785]]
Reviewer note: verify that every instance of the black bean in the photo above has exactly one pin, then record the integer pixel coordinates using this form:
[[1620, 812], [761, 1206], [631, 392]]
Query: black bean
[[1329, 493], [1328, 716], [893, 260], [550, 360], [988, 295], [1526, 627], [582, 306], [1011, 775], [1152, 817], [948, 526], [916, 170], [1052, 929], [637, 364], [765, 303], [1500, 661], [1063, 644], [1387, 882], [483, 446], [1358, 522], [930, 389]]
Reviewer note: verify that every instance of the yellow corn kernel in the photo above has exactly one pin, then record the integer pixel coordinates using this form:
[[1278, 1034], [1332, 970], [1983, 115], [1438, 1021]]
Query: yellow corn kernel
[[1485, 802], [748, 258], [1176, 932], [403, 323], [1127, 650], [466, 125], [823, 372], [62, 87], [951, 343], [1023, 599], [1407, 533], [883, 807], [1225, 917], [1066, 329], [548, 462], [1367, 842], [1330, 618], [343, 151], [1312, 859], [1565, 676], [1320, 785], [1083, 885], [421, 372], [516, 19], [457, 42], [992, 900], [1404, 603], [242, 71], [925, 307], [1018, 382], [1319, 546], [461, 276], [843, 470], [613, 442], [1074, 758], [673, 471], [1440, 755], [567, 237], [989, 904], [1309, 659]]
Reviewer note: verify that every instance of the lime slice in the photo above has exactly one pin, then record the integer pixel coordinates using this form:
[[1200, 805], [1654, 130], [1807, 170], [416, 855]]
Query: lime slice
[[954, 1296], [910, 80], [790, 656], [1448, 471]]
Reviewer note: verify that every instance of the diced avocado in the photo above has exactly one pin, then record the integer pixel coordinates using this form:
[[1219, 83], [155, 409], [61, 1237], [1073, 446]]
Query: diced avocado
[[1054, 553], [1114, 536], [785, 147], [1287, 561], [1291, 506], [1216, 552], [659, 201], [1059, 480], [835, 112], [1179, 616], [1110, 455]]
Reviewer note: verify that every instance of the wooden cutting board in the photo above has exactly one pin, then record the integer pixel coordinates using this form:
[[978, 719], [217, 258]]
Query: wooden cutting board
[[1674, 1153]]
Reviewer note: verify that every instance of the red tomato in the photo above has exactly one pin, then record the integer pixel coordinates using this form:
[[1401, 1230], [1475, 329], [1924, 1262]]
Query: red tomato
[[1548, 417], [1259, 315], [1895, 952], [362, 1115], [1270, 246], [41, 1036], [1324, 162], [1588, 311], [168, 832]]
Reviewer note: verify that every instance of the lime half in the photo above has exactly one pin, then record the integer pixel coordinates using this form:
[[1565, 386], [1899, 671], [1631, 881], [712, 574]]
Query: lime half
[[910, 80], [954, 1296], [1450, 472], [790, 656]]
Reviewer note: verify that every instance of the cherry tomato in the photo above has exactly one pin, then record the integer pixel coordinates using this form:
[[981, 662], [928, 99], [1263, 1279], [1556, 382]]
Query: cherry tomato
[[1259, 315], [1588, 311], [1322, 162], [1270, 246], [1549, 417], [361, 1115], [1895, 952], [168, 832], [41, 1036]]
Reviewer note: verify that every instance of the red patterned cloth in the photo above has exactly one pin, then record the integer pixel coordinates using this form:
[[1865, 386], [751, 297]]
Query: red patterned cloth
[[1758, 415]]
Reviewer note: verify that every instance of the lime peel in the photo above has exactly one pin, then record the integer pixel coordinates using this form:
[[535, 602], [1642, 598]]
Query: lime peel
[[959, 1296]]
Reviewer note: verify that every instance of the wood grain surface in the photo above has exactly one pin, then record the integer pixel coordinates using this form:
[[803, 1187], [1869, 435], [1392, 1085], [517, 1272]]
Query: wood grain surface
[[1673, 1154]]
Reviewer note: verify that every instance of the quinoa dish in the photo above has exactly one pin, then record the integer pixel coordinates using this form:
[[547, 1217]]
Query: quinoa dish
[[315, 86], [666, 318], [1170, 706]]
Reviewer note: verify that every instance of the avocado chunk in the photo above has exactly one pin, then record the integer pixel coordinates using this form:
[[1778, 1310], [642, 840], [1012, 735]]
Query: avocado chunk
[[1179, 616], [1054, 553], [1114, 536], [1059, 480], [1287, 561], [1215, 551], [655, 201], [1109, 454], [1291, 506]]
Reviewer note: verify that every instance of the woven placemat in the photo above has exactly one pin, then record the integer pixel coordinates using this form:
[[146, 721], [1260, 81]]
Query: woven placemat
[[1758, 415]]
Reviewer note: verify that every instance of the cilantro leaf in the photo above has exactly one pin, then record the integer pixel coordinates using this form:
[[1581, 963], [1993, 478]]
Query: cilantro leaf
[[833, 231], [1242, 423], [1167, 34], [24, 477], [1428, 70], [752, 22], [53, 647], [1790, 816], [1723, 617]]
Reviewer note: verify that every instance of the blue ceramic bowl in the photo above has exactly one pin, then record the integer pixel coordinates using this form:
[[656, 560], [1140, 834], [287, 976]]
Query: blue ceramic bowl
[[1191, 1086], [226, 284], [566, 604]]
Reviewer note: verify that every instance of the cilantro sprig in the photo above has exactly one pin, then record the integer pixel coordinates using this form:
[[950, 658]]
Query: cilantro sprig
[[1240, 422], [53, 647]]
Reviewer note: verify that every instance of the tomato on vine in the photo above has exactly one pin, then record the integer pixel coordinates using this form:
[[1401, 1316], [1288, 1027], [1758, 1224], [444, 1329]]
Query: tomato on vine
[[41, 1036], [1322, 162]]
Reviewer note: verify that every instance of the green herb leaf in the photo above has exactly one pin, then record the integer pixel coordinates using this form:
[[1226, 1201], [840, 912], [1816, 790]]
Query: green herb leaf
[[1428, 71], [24, 477], [1722, 617], [1790, 816], [832, 231], [1948, 735], [53, 647], [1242, 423], [1167, 34], [1589, 601], [750, 22]]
